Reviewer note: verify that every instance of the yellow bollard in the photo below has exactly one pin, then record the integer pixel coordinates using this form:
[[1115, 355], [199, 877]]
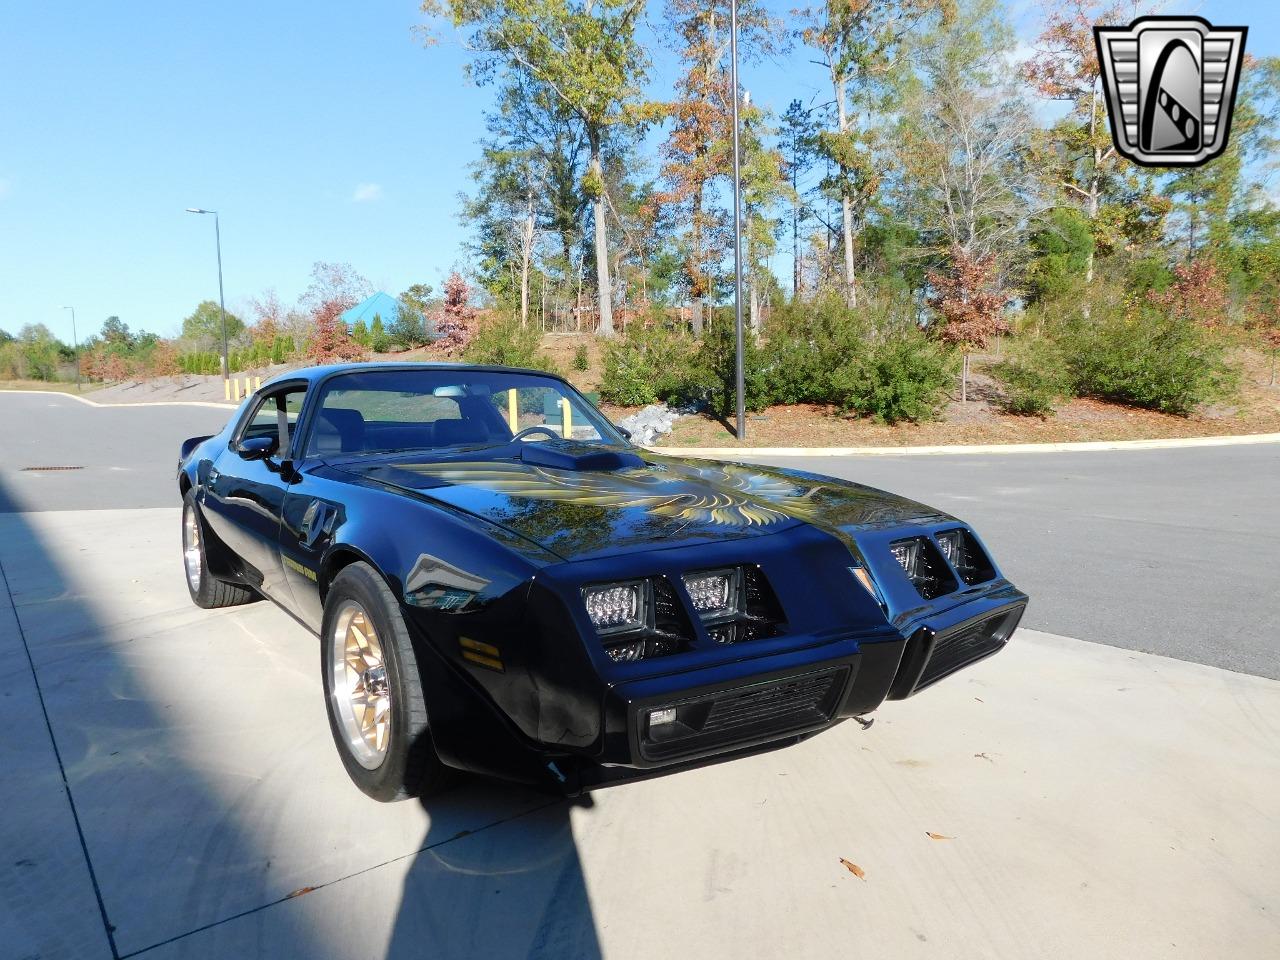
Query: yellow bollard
[[257, 383], [226, 389], [513, 411], [235, 389], [567, 431], [246, 387]]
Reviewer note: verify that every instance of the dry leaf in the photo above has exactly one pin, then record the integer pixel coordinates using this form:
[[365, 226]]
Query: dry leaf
[[299, 892], [853, 868], [937, 836]]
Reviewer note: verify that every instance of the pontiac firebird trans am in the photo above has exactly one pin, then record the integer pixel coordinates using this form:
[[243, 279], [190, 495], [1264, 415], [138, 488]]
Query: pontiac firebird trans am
[[502, 583]]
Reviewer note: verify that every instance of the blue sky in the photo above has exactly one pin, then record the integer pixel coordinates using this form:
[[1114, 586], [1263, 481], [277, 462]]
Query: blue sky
[[320, 131]]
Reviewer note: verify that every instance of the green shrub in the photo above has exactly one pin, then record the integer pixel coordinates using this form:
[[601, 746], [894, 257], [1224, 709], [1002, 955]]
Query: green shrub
[[715, 368], [1035, 378], [900, 375], [581, 359], [502, 341], [807, 343], [647, 365], [1148, 358]]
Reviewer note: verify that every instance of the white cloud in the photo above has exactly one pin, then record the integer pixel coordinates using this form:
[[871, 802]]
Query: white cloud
[[367, 192]]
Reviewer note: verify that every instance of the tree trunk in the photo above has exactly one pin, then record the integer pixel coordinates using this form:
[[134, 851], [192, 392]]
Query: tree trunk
[[846, 202], [754, 306], [526, 255], [604, 286], [696, 280]]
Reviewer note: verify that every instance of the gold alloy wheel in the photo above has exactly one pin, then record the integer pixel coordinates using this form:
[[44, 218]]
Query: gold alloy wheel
[[358, 682], [191, 547]]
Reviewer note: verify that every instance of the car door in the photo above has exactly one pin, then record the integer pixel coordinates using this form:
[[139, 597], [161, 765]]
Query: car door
[[244, 491]]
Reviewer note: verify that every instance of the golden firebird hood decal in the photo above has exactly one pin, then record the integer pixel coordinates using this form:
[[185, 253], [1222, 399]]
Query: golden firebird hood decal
[[723, 494]]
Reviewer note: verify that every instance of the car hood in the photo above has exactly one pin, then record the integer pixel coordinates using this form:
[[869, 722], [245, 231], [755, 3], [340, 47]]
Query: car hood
[[638, 500]]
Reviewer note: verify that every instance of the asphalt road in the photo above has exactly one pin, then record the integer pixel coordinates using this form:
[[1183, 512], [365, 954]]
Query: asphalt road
[[1175, 552]]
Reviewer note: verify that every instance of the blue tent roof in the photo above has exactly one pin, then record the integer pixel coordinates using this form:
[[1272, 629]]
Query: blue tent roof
[[380, 304]]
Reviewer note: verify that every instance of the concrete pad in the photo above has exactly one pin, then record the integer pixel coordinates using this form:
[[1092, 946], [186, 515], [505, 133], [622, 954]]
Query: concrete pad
[[1089, 802], [47, 904]]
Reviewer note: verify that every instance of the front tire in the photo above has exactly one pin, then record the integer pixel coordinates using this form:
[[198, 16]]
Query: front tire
[[373, 692], [206, 590]]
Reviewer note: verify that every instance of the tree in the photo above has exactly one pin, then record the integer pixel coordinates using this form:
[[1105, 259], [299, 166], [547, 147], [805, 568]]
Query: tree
[[970, 306], [204, 326], [39, 352], [1077, 152], [586, 55], [799, 151], [116, 333], [335, 288], [454, 321], [861, 44], [696, 152], [409, 327]]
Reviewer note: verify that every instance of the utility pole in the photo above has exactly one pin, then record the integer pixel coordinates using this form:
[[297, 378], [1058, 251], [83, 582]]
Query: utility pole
[[75, 345]]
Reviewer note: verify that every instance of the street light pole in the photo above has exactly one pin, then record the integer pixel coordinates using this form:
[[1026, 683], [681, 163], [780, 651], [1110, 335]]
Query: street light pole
[[222, 309], [75, 345], [737, 224]]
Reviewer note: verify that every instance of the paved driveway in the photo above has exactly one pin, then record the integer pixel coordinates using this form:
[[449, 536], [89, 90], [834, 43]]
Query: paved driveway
[[170, 788]]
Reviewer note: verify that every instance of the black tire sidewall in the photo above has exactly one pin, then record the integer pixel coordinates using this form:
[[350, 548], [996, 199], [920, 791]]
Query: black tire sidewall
[[391, 779]]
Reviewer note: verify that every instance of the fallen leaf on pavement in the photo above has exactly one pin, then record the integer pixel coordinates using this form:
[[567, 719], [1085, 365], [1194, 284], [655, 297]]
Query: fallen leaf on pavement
[[937, 836], [984, 756], [853, 868]]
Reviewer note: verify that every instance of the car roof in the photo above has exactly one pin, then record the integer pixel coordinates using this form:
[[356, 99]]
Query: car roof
[[314, 375]]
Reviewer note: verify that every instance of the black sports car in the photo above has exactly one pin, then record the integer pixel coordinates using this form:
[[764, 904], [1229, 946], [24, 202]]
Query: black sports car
[[502, 583]]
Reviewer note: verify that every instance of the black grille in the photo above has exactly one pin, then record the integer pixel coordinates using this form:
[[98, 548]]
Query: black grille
[[973, 642], [745, 714], [801, 698]]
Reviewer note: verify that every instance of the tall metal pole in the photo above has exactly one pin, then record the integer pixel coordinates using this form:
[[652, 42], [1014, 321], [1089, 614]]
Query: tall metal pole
[[75, 345], [737, 223], [222, 308]]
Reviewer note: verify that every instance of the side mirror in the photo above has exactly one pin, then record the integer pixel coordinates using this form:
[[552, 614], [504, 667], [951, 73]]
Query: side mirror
[[258, 448], [623, 430]]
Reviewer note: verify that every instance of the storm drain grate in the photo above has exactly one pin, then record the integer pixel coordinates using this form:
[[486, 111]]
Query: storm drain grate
[[42, 469]]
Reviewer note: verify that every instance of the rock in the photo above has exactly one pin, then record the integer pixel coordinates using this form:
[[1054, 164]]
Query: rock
[[648, 424]]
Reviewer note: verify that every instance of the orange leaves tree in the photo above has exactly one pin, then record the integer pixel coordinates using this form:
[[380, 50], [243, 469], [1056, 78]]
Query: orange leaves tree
[[335, 288], [970, 305], [456, 317]]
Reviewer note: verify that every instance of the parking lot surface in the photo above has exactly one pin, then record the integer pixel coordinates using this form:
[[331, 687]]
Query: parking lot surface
[[171, 789]]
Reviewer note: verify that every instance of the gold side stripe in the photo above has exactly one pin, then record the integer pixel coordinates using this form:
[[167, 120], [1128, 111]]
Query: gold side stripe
[[489, 662], [486, 648]]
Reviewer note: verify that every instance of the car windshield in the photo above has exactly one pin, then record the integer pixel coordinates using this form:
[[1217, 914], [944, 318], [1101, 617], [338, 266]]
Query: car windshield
[[384, 410]]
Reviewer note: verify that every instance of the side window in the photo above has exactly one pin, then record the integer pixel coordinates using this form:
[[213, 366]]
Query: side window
[[265, 423]]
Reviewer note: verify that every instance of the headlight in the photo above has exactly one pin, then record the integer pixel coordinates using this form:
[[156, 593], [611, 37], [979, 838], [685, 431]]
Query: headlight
[[907, 553], [616, 607], [965, 556], [924, 567], [713, 592]]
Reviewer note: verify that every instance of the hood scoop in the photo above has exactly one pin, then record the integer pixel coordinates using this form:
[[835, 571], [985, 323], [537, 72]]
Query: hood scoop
[[581, 457]]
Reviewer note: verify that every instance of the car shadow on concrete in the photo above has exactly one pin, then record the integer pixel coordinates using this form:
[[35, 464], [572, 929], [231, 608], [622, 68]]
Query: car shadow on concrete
[[515, 889]]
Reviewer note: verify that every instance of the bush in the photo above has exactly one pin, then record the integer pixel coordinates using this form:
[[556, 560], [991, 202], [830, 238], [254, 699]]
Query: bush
[[651, 363], [715, 368], [1035, 378], [1148, 358], [807, 343], [503, 342], [581, 359], [900, 375]]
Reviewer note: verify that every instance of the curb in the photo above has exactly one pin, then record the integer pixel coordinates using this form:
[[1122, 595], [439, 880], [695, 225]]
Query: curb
[[1079, 446], [141, 403]]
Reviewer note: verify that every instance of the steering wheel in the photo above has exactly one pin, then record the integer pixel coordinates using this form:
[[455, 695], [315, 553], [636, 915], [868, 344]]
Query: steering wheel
[[539, 428]]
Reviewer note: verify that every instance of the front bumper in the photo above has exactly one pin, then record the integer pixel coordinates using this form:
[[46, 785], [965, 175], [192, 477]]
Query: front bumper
[[738, 706]]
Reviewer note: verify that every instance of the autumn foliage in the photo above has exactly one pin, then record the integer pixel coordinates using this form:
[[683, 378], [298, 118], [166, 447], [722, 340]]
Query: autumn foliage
[[969, 301], [456, 318]]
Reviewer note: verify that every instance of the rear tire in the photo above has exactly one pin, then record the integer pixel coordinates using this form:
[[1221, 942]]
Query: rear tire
[[373, 692], [206, 590]]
